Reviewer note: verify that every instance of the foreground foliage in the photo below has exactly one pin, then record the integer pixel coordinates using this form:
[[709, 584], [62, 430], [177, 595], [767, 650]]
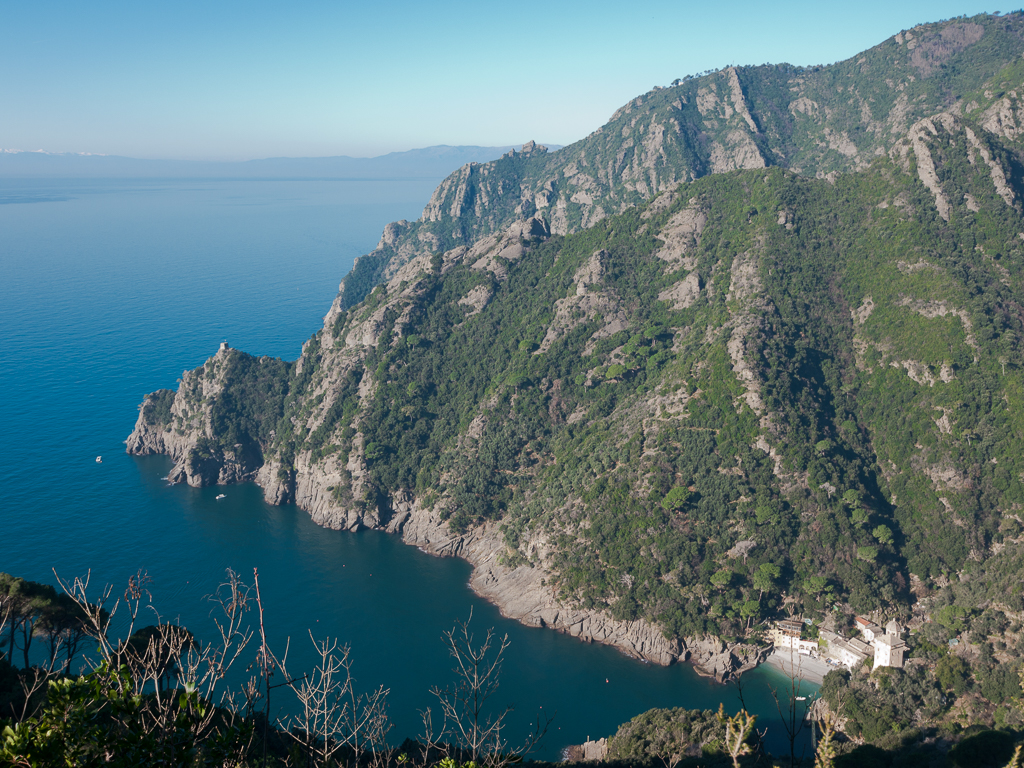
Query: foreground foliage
[[160, 696]]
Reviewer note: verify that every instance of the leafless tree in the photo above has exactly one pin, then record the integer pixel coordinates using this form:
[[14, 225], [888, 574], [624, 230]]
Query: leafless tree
[[464, 704], [792, 708], [266, 663], [334, 716]]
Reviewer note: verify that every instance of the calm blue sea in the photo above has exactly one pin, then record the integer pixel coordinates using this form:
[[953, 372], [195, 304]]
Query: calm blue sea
[[110, 289]]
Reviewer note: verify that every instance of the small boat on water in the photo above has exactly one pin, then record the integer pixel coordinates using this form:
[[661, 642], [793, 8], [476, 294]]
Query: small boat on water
[[801, 698], [222, 496], [99, 459]]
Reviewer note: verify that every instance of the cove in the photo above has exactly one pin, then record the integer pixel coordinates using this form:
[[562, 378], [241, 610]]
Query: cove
[[390, 603], [110, 290]]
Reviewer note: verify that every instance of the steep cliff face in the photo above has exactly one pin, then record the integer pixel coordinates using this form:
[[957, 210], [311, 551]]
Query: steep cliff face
[[756, 390], [817, 121]]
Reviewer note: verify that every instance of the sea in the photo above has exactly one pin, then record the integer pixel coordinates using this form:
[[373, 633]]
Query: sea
[[110, 289]]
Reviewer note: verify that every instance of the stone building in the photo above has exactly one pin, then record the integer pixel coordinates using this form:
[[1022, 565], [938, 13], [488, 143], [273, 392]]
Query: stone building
[[890, 648], [850, 652]]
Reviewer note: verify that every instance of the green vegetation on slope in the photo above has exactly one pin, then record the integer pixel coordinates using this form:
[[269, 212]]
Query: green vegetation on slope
[[878, 337], [815, 120], [757, 394]]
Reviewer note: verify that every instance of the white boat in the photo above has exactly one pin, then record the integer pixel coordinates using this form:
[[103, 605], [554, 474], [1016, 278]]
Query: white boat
[[99, 459], [222, 496]]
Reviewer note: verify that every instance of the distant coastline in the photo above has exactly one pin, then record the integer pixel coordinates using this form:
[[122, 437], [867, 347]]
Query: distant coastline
[[428, 162]]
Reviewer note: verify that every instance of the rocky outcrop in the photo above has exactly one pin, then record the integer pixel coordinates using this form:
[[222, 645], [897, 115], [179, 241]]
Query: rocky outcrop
[[684, 293], [745, 296], [681, 236], [182, 437], [998, 174], [477, 299], [715, 658], [926, 165], [1005, 117], [587, 301], [150, 437], [927, 142]]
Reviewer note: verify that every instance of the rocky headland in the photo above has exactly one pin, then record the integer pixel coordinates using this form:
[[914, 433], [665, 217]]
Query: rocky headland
[[521, 592], [645, 384]]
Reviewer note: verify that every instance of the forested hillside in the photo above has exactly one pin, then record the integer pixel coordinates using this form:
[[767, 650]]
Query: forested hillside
[[815, 121], [787, 383]]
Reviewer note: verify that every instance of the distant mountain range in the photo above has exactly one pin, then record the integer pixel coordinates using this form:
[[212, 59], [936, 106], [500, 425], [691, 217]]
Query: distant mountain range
[[429, 162]]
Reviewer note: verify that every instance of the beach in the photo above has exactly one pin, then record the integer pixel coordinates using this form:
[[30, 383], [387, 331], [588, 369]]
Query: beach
[[810, 669]]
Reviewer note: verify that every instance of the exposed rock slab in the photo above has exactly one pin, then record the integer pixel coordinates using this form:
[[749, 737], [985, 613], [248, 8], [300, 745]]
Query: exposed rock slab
[[684, 293]]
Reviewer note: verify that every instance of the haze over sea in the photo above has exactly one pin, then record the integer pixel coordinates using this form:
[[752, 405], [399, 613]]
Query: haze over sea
[[109, 289]]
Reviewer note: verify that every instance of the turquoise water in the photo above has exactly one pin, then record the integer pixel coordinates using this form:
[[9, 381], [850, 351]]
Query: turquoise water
[[109, 290]]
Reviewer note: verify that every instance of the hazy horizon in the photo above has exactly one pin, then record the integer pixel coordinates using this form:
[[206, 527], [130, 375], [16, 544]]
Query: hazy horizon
[[423, 163], [411, 150], [234, 82]]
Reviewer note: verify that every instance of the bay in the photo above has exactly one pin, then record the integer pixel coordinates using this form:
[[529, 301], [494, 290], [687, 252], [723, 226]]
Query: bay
[[109, 289]]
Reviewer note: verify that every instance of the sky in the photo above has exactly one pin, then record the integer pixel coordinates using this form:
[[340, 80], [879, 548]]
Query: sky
[[225, 80]]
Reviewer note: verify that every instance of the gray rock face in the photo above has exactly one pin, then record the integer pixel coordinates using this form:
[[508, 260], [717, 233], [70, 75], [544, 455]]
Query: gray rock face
[[147, 439], [723, 661], [684, 293]]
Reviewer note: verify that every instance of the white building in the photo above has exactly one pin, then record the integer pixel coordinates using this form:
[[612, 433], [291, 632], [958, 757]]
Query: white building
[[850, 652], [886, 648], [868, 628], [889, 648], [786, 634], [800, 646]]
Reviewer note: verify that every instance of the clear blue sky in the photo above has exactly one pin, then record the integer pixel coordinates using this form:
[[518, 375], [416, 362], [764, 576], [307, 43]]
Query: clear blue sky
[[228, 80]]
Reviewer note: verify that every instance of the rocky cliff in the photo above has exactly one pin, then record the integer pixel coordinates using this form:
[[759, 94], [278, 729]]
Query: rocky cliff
[[816, 121], [659, 425]]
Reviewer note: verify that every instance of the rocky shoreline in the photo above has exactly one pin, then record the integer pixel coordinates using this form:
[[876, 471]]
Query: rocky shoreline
[[520, 592]]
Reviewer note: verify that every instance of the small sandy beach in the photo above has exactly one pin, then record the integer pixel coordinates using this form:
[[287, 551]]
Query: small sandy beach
[[811, 670]]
